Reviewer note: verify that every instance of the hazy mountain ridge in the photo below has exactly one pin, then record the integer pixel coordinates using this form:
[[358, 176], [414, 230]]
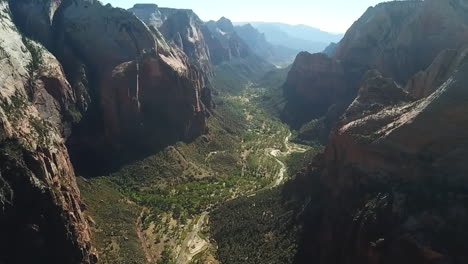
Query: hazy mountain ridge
[[277, 54], [297, 37]]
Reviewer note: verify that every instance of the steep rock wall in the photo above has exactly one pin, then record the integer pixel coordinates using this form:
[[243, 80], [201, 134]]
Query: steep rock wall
[[41, 217]]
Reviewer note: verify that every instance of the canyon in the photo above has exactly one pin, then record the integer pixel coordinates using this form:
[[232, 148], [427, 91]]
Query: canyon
[[148, 135]]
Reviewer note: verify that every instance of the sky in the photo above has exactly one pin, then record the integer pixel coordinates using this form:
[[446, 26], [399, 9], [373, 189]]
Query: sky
[[328, 15]]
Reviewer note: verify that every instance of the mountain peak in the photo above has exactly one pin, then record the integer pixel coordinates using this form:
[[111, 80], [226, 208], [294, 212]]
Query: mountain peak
[[225, 24], [145, 6]]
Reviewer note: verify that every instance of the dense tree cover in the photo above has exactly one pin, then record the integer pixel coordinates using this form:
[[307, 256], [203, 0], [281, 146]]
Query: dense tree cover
[[194, 197], [259, 229], [166, 257], [296, 162]]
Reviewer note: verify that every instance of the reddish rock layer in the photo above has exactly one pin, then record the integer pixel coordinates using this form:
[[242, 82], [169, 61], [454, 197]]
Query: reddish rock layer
[[392, 179], [41, 218], [399, 39], [111, 79], [135, 92]]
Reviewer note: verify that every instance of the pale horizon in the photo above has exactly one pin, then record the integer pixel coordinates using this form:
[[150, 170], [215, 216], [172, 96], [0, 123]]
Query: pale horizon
[[334, 16]]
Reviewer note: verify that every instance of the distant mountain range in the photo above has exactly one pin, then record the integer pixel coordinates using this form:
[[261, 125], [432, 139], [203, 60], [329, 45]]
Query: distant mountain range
[[278, 55], [297, 37]]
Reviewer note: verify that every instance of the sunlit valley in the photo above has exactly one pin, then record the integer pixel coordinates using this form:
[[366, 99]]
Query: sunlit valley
[[149, 135]]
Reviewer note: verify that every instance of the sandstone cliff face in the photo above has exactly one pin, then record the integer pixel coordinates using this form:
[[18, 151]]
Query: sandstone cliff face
[[375, 94], [392, 179], [113, 61], [41, 217], [113, 89], [39, 15], [399, 39], [183, 27], [226, 44], [314, 83], [392, 183], [426, 82]]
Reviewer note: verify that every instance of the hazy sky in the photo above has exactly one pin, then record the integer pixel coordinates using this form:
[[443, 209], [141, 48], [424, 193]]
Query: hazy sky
[[328, 15]]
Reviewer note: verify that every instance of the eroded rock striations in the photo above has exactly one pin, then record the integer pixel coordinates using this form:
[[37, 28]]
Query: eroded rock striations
[[181, 26], [391, 186], [41, 218], [399, 39], [139, 91], [393, 178], [227, 45], [98, 85]]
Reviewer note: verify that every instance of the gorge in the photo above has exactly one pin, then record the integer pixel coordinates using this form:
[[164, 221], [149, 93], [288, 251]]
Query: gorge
[[148, 135]]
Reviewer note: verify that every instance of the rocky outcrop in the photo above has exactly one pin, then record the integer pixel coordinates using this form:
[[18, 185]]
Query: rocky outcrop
[[376, 93], [41, 218], [226, 44], [392, 181], [35, 17], [136, 90], [102, 88], [181, 26], [399, 39], [314, 83], [426, 82]]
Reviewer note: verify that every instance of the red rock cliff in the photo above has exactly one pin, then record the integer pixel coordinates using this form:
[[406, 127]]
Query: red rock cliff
[[399, 39], [41, 217], [392, 179], [137, 92], [114, 90]]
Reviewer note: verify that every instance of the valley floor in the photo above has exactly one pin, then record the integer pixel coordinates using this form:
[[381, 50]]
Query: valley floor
[[161, 206]]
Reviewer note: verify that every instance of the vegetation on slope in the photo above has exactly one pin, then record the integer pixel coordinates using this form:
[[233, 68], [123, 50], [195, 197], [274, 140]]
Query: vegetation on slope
[[258, 229], [165, 194], [112, 218], [233, 76]]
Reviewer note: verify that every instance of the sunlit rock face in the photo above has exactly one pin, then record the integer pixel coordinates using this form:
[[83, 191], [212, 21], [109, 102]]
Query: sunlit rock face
[[97, 88], [112, 75], [392, 180], [182, 27], [399, 39], [41, 218], [226, 44]]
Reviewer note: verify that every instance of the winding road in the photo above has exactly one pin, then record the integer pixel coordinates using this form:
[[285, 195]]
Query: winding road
[[193, 244], [275, 153]]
